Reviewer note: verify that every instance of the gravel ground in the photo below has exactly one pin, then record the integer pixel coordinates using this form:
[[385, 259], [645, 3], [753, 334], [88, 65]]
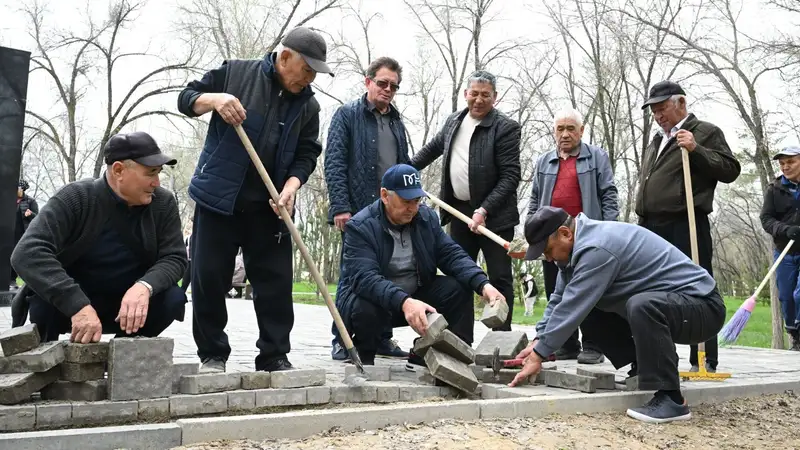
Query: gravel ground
[[769, 422]]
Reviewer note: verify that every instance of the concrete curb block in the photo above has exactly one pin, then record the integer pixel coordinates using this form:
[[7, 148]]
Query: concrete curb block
[[298, 425], [133, 437]]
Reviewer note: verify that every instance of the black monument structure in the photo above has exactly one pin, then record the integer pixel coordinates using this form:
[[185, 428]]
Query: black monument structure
[[14, 65]]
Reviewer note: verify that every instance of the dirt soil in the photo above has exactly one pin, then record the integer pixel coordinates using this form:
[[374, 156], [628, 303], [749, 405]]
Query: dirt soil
[[769, 422]]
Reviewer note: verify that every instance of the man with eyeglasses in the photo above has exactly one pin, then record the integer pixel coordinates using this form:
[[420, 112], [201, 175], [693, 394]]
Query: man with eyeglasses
[[480, 177], [366, 137]]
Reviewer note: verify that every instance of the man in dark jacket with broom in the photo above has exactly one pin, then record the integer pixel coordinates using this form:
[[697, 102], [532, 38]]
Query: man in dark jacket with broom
[[781, 219], [661, 201]]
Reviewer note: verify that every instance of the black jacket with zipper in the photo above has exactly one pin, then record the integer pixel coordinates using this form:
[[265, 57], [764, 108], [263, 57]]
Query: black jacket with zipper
[[780, 211]]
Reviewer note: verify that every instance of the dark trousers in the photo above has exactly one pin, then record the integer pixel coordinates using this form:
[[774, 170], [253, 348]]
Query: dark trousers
[[387, 334], [268, 263], [164, 308], [550, 272], [187, 277], [656, 322], [498, 263], [675, 230], [452, 300]]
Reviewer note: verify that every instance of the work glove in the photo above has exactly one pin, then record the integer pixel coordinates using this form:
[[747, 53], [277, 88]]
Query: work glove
[[793, 233]]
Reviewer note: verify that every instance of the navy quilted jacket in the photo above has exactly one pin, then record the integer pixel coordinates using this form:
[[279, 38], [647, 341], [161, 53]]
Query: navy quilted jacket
[[351, 156]]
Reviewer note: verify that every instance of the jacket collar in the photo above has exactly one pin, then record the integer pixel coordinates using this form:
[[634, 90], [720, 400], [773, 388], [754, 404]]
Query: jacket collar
[[384, 219], [393, 112], [584, 153], [487, 121], [268, 66]]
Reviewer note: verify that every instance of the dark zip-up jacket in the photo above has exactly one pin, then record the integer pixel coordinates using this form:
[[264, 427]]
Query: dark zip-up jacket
[[661, 187], [284, 129], [780, 211], [494, 168], [25, 203], [368, 249]]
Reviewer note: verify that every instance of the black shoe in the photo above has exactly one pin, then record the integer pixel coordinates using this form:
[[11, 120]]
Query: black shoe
[[414, 361], [563, 354], [277, 365], [389, 349], [661, 409], [589, 356]]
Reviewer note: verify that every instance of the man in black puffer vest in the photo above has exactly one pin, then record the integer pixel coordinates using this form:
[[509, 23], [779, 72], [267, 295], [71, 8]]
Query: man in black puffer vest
[[272, 100], [27, 208]]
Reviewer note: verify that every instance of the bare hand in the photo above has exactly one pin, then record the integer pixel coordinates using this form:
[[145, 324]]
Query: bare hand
[[531, 366], [133, 310], [86, 326], [477, 220], [414, 311], [527, 350], [340, 220], [230, 109], [28, 213], [686, 140], [286, 198], [491, 295]]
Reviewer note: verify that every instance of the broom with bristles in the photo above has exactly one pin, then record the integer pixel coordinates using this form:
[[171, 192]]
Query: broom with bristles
[[730, 332]]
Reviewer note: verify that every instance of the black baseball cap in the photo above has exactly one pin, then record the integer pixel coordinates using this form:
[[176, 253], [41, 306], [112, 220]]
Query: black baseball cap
[[311, 47], [138, 146], [539, 227], [404, 181], [661, 91]]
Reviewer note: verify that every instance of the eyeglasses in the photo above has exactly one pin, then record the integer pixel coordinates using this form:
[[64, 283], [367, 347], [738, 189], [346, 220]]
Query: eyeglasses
[[383, 84]]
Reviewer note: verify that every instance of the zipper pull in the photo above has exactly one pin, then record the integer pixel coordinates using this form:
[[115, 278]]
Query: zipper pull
[[279, 235]]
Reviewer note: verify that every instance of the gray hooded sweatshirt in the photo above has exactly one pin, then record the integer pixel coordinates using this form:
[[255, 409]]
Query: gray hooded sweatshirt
[[610, 263]]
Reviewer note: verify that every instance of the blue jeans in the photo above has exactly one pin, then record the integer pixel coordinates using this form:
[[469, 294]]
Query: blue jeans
[[787, 275]]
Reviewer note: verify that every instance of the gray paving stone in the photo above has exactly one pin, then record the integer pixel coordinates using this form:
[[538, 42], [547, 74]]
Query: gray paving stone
[[505, 376], [207, 383], [570, 381], [489, 390], [446, 342], [49, 415], [318, 395], [87, 391], [418, 393], [495, 316], [297, 378], [241, 400], [374, 373], [17, 418], [354, 394], [632, 383], [605, 380], [424, 376], [436, 325], [82, 372], [130, 437], [450, 370], [103, 412], [388, 394], [16, 387], [180, 369], [280, 397], [154, 409], [40, 359], [510, 343], [138, 368], [19, 339], [256, 380], [96, 352], [190, 405]]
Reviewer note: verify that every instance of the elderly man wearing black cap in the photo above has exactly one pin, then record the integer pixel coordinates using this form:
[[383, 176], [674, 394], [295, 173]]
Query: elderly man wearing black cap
[[392, 250], [27, 208], [638, 294], [661, 200], [272, 100], [105, 255]]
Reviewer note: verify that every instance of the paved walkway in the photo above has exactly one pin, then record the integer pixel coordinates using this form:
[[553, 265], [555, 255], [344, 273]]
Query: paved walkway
[[311, 346]]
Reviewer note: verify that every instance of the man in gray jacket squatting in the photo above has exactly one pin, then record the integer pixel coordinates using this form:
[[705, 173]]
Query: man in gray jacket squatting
[[636, 291]]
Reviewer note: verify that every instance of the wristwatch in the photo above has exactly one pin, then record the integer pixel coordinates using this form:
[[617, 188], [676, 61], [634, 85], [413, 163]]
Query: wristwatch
[[147, 285]]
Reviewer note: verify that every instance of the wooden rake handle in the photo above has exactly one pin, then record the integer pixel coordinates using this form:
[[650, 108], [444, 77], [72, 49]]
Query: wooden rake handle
[[461, 216], [323, 287], [687, 183]]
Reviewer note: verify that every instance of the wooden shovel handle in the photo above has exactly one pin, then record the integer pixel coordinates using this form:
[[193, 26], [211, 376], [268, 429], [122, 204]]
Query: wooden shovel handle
[[458, 214]]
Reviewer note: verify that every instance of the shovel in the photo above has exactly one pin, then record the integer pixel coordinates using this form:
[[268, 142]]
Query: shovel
[[360, 376]]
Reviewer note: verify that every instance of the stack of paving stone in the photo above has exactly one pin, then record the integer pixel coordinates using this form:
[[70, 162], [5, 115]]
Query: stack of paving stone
[[82, 376], [26, 365], [448, 358]]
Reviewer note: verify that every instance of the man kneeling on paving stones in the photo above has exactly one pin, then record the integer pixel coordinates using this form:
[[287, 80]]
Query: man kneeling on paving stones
[[105, 255], [392, 250], [636, 291]]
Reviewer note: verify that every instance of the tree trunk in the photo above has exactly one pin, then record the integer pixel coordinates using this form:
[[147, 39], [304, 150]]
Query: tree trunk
[[777, 324]]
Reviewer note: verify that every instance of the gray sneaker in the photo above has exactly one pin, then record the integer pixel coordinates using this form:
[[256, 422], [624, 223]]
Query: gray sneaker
[[661, 409], [590, 356], [212, 365]]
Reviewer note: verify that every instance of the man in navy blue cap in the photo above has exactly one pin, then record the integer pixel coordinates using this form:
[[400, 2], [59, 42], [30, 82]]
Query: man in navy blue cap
[[392, 250], [637, 295], [781, 219], [105, 255]]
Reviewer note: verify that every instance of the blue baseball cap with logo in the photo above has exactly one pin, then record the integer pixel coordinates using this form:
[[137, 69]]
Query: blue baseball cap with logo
[[403, 180]]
